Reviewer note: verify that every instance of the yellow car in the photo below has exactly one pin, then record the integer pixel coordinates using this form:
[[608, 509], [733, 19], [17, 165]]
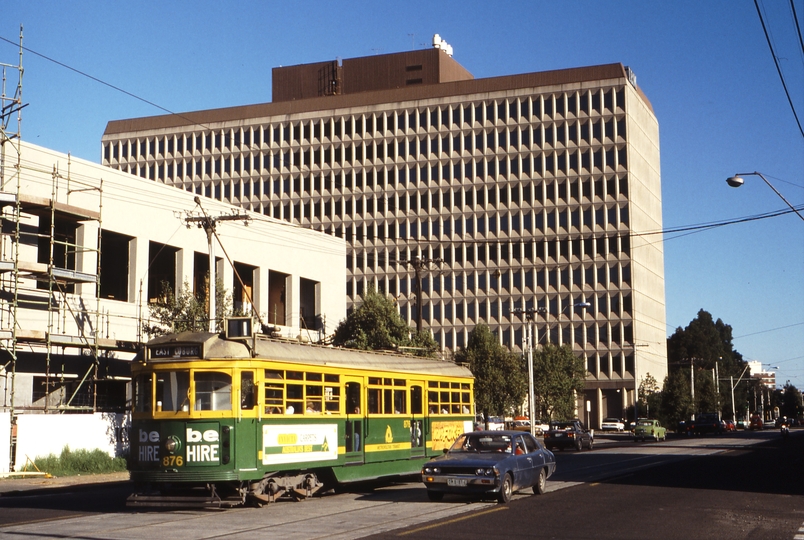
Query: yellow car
[[649, 429]]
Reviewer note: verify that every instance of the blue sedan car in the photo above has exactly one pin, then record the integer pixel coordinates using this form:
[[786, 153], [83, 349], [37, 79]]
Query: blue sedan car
[[489, 462]]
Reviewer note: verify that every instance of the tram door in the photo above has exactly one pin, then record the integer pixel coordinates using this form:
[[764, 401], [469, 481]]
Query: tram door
[[355, 423], [247, 427], [417, 424]]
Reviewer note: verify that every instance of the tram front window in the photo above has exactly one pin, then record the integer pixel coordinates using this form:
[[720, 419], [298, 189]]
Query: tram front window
[[173, 391], [213, 391]]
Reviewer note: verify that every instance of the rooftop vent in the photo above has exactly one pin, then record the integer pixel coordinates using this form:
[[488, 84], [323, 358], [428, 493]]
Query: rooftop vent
[[439, 43]]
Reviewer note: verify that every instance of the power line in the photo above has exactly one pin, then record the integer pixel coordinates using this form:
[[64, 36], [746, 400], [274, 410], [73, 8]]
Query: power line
[[769, 330], [113, 87], [778, 68]]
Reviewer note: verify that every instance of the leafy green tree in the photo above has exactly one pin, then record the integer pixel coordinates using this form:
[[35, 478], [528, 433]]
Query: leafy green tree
[[676, 401], [704, 344], [649, 395], [375, 325], [792, 406], [423, 343], [185, 311], [558, 378], [500, 376]]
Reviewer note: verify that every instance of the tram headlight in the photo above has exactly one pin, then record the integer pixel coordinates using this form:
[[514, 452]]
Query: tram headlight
[[172, 444]]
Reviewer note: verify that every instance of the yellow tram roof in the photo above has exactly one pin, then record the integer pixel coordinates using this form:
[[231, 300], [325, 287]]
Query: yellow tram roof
[[214, 347]]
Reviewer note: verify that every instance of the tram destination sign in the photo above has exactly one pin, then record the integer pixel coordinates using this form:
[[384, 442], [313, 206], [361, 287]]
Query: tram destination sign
[[173, 351]]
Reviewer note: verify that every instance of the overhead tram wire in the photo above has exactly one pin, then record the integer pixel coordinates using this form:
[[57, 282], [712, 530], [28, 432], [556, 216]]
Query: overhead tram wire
[[778, 67], [798, 27], [113, 87]]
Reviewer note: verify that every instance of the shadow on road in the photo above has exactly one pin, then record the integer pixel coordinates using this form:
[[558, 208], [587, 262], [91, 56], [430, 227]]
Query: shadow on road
[[776, 467]]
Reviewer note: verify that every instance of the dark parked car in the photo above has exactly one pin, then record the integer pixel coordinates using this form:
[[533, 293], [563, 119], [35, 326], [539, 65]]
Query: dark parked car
[[489, 462], [706, 423], [570, 434]]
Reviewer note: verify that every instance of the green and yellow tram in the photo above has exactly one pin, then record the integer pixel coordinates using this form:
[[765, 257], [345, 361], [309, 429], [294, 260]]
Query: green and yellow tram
[[222, 421]]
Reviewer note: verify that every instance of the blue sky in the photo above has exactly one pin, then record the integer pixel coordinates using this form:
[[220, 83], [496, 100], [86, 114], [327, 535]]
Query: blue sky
[[705, 66]]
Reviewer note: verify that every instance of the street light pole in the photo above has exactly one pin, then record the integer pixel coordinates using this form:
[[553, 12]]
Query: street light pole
[[737, 181], [529, 316], [419, 265]]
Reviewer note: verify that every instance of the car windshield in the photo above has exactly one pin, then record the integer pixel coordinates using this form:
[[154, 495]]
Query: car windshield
[[645, 423], [482, 443], [611, 420]]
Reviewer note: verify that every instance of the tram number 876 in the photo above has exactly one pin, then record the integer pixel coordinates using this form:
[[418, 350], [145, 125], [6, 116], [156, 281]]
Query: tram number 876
[[171, 461]]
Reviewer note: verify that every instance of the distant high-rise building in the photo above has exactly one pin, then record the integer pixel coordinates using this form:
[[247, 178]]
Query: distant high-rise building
[[538, 191], [767, 378]]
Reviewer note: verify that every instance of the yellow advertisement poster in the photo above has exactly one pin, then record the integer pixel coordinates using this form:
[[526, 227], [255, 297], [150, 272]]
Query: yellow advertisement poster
[[445, 433]]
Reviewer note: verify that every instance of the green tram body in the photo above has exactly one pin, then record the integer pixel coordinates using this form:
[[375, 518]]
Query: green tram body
[[249, 420]]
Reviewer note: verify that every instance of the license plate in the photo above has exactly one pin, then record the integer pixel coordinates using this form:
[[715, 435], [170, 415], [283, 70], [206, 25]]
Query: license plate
[[456, 481]]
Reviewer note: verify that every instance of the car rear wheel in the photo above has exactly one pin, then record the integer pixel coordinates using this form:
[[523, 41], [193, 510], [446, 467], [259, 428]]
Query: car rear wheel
[[506, 489], [434, 496], [591, 443], [541, 483]]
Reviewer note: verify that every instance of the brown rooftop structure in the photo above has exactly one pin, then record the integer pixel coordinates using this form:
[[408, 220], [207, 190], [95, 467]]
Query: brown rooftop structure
[[371, 80]]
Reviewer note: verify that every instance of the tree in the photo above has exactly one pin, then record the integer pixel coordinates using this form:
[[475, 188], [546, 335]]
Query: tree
[[500, 375], [185, 311], [649, 395], [792, 406], [676, 401], [558, 378], [373, 325], [705, 345]]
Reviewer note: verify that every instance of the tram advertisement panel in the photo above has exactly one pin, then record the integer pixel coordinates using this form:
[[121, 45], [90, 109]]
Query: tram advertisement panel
[[299, 443], [445, 433]]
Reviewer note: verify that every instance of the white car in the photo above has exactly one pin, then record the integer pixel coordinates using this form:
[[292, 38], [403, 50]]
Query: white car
[[612, 424]]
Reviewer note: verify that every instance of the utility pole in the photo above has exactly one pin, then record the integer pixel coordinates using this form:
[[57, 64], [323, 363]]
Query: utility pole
[[529, 317], [208, 223], [420, 266]]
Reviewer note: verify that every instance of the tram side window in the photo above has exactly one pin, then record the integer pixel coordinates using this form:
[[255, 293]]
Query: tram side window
[[444, 397], [295, 398], [247, 400], [374, 400], [400, 402], [390, 399], [466, 398], [173, 391], [274, 391], [213, 391], [143, 393], [332, 399]]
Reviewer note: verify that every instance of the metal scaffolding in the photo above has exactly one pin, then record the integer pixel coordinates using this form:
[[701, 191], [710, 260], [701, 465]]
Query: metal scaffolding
[[44, 241]]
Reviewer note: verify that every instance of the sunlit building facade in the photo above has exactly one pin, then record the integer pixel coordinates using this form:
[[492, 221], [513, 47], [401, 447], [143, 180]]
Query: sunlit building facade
[[538, 191]]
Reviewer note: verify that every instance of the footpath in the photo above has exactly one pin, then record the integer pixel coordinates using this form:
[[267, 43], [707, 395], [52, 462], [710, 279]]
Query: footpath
[[16, 486]]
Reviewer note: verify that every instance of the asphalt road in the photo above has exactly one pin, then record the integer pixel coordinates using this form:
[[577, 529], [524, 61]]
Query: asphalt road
[[748, 485]]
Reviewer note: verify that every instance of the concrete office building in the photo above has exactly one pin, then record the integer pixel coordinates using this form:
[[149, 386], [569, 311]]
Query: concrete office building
[[535, 190]]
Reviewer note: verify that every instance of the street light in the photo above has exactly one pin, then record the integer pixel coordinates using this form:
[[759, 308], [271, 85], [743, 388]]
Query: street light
[[530, 314], [733, 386], [544, 312], [737, 181]]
